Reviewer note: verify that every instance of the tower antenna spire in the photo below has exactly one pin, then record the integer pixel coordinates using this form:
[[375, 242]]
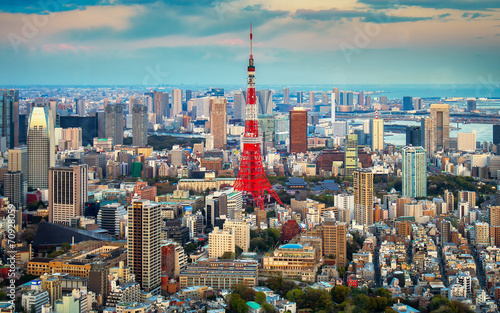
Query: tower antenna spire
[[251, 39]]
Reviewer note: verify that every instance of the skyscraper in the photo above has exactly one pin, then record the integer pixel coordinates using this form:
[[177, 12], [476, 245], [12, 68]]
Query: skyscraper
[[68, 192], [426, 132], [334, 236], [80, 107], [140, 125], [189, 95], [417, 104], [114, 123], [471, 105], [324, 98], [336, 93], [349, 97], [286, 96], [218, 121], [73, 136], [312, 99], [176, 101], [240, 105], [414, 172], [496, 134], [360, 99], [413, 136], [351, 154], [161, 106], [363, 197], [300, 98], [13, 184], [407, 103], [377, 134], [298, 130], [449, 198], [440, 123], [18, 161], [9, 121], [265, 101], [41, 147], [143, 244], [495, 216]]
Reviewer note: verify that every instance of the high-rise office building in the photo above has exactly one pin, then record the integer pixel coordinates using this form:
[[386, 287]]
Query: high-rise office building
[[368, 101], [176, 101], [140, 125], [298, 130], [114, 123], [324, 98], [482, 234], [13, 184], [363, 197], [240, 105], [360, 99], [189, 95], [426, 132], [80, 107], [466, 141], [445, 231], [377, 134], [92, 126], [471, 105], [351, 154], [414, 172], [265, 101], [413, 136], [449, 198], [334, 236], [496, 134], [407, 103], [143, 243], [68, 192], [73, 136], [440, 123], [382, 100], [18, 161], [336, 93], [312, 99], [218, 121], [220, 241], [161, 106], [349, 97], [9, 121], [110, 216], [241, 230], [286, 96], [300, 98], [41, 147], [417, 104]]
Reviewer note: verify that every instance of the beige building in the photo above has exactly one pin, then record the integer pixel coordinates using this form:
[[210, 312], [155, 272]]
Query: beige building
[[18, 161], [334, 241], [377, 132], [467, 196], [293, 261], [220, 241], [466, 141], [68, 192], [495, 216], [482, 234], [363, 197], [73, 136], [241, 230], [440, 128], [218, 121], [41, 147]]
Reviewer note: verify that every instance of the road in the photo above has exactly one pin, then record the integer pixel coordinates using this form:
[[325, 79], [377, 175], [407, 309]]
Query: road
[[479, 269], [376, 264]]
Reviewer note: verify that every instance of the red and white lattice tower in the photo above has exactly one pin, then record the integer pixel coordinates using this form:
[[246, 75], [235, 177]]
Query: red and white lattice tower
[[251, 177]]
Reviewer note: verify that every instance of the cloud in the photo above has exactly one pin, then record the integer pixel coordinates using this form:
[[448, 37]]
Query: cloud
[[471, 16], [366, 17], [436, 4], [63, 47]]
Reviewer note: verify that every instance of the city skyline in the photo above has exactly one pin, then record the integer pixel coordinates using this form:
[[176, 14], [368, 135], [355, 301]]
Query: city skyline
[[178, 42]]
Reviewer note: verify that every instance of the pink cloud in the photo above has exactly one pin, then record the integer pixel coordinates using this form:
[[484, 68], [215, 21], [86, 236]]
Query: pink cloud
[[231, 42], [65, 47]]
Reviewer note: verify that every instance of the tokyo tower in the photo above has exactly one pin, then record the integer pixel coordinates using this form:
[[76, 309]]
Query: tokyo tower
[[251, 177]]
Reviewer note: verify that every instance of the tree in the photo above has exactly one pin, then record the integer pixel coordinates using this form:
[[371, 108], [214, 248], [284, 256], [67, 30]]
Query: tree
[[260, 297], [66, 246], [237, 304], [228, 255], [385, 293], [340, 293], [268, 308], [437, 302], [295, 295]]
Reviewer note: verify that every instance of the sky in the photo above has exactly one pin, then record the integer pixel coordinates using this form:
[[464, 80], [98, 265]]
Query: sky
[[205, 42]]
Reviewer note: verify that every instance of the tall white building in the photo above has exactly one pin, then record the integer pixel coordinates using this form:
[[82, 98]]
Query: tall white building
[[377, 134], [414, 172], [221, 241], [41, 147], [241, 230], [176, 101]]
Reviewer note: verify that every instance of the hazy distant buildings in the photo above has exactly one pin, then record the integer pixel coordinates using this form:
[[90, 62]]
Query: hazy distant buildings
[[80, 107], [68, 193], [496, 134], [300, 98], [298, 130], [336, 93], [414, 172], [114, 123], [140, 125], [351, 154], [440, 128], [218, 121], [312, 99], [471, 105], [286, 96], [161, 106], [41, 147], [240, 100]]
